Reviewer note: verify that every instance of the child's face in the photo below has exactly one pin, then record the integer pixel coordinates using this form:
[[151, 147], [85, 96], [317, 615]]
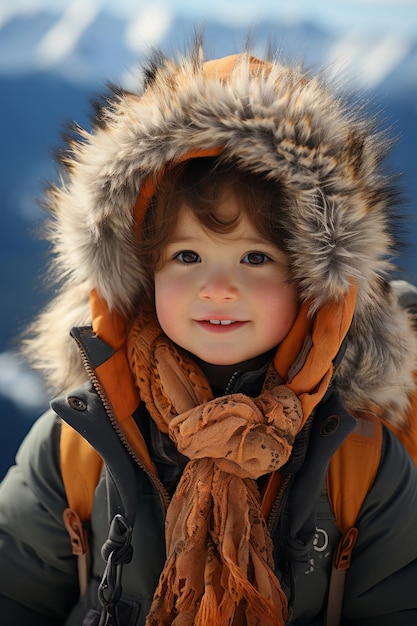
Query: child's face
[[223, 297]]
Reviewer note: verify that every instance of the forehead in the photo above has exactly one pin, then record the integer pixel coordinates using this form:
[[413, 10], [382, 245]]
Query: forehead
[[188, 226], [230, 206]]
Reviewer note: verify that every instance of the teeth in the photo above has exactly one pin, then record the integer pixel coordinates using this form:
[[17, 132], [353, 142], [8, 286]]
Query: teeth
[[222, 322]]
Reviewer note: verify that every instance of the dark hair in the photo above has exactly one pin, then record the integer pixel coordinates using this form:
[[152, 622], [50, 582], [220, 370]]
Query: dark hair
[[200, 184]]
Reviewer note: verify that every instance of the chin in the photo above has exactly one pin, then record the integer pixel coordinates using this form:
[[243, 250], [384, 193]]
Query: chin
[[223, 360]]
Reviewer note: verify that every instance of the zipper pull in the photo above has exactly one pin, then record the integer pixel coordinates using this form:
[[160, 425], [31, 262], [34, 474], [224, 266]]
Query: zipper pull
[[345, 548], [79, 543], [76, 531]]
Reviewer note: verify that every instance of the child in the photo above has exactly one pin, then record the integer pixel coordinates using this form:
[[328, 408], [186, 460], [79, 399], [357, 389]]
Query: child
[[222, 243]]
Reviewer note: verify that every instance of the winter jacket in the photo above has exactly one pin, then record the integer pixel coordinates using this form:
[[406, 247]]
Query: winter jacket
[[279, 122], [305, 534]]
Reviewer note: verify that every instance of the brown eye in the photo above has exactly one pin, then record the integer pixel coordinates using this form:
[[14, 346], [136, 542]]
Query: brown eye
[[188, 256], [255, 258]]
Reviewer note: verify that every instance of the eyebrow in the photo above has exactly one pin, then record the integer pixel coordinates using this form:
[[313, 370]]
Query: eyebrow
[[247, 240]]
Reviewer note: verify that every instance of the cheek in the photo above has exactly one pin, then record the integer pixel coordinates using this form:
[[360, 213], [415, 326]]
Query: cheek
[[279, 307], [170, 298], [164, 296]]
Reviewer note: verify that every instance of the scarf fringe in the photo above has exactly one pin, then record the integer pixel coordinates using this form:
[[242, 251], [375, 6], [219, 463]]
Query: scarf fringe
[[235, 551]]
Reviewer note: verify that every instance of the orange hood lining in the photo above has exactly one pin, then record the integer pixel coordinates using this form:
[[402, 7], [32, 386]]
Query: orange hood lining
[[216, 69], [150, 183]]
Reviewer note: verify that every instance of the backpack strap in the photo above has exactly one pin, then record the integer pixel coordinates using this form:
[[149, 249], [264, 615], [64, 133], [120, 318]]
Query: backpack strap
[[351, 473], [81, 467]]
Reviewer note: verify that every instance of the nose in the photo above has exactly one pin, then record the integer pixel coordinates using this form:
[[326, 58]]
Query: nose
[[219, 286]]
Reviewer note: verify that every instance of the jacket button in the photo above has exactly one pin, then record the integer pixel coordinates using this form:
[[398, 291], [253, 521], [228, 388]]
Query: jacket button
[[77, 403], [329, 425]]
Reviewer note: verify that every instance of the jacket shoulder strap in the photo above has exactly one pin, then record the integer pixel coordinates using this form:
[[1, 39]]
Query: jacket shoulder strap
[[353, 469], [81, 467], [351, 473]]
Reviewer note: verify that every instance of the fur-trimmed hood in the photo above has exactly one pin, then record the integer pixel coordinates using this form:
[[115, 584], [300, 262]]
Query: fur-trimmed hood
[[271, 119]]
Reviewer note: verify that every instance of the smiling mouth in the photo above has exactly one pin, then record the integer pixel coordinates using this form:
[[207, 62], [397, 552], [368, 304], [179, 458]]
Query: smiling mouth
[[221, 325]]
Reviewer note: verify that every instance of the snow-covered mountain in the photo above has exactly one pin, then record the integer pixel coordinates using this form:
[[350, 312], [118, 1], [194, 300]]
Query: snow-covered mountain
[[84, 44], [52, 63]]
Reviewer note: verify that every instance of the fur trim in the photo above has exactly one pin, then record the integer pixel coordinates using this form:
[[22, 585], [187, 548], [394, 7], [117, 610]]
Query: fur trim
[[273, 120]]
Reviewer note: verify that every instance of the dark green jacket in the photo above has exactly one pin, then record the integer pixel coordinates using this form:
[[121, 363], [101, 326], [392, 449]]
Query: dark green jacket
[[38, 574]]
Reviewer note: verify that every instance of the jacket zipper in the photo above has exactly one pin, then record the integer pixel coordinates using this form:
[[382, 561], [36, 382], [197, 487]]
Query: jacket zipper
[[278, 503], [275, 512], [163, 493], [229, 388]]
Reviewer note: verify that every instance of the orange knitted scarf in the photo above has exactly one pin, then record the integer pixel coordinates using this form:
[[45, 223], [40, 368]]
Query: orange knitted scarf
[[219, 567]]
